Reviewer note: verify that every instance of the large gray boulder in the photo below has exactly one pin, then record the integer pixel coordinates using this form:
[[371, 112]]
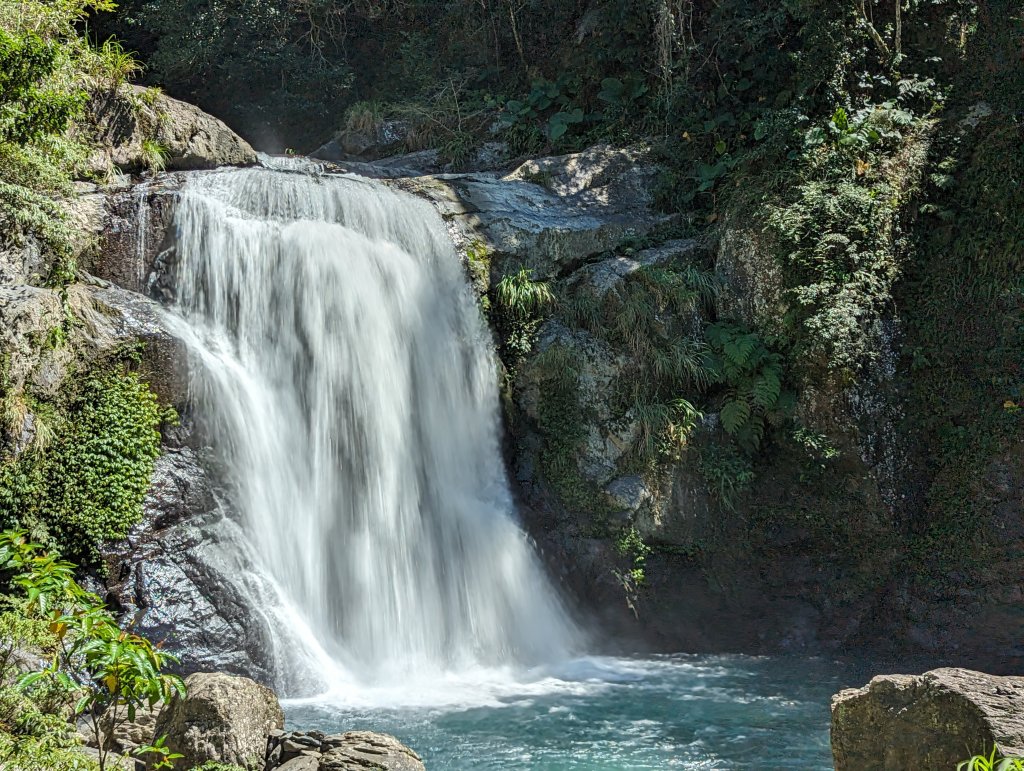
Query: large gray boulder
[[128, 120], [41, 350], [928, 722], [352, 751], [549, 214], [223, 718]]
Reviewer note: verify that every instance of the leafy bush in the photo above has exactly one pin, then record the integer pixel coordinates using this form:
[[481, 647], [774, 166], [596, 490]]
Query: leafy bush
[[48, 72], [31, 105], [107, 673], [87, 486]]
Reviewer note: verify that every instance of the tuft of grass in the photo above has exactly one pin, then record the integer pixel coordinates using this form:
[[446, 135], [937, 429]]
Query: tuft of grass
[[521, 303], [155, 155], [991, 762]]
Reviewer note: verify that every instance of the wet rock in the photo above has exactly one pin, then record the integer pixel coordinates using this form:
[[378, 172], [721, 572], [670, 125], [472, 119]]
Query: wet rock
[[930, 721], [114, 316], [137, 239], [166, 577], [223, 718], [189, 138], [384, 139], [352, 751], [629, 493], [42, 349]]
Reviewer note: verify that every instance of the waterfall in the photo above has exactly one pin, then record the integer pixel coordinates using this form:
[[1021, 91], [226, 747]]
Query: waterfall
[[345, 382]]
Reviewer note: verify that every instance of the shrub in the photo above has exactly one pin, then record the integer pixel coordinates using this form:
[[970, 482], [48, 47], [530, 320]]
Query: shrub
[[87, 486], [520, 304], [106, 672]]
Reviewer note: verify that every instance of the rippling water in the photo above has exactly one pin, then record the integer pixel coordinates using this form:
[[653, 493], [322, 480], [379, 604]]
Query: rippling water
[[598, 714]]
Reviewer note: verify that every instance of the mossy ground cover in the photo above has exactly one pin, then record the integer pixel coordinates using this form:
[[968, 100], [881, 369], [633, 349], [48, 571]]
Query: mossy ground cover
[[85, 482]]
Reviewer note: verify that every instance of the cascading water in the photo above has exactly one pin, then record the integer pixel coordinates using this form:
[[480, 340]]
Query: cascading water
[[344, 378]]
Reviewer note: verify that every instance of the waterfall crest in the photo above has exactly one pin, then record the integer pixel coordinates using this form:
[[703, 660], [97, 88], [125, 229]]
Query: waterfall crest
[[345, 381]]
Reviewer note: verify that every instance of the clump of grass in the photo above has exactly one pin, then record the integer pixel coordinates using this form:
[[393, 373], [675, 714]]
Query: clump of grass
[[155, 155]]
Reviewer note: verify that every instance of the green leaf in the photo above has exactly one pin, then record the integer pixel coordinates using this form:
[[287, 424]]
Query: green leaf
[[735, 413]]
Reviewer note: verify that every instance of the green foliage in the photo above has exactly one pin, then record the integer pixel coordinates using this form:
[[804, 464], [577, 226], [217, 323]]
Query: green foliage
[[991, 762], [268, 67], [87, 486], [630, 544], [752, 376], [106, 672], [520, 304], [47, 72], [116, 65], [648, 316], [155, 155], [727, 470], [31, 108], [839, 228], [164, 758], [547, 108]]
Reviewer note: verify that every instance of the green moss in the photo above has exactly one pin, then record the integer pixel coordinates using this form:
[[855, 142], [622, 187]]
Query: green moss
[[964, 302], [87, 484], [560, 420]]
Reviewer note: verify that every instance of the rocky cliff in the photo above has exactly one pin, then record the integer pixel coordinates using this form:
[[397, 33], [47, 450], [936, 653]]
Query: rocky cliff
[[659, 521]]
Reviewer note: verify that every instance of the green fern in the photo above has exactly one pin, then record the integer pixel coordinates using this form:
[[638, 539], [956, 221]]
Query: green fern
[[752, 374], [521, 304]]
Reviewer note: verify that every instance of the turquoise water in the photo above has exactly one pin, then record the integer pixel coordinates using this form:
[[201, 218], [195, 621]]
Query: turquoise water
[[604, 714]]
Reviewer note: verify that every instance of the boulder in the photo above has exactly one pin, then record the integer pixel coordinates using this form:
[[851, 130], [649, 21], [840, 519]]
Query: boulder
[[112, 317], [352, 751], [129, 120], [550, 214], [41, 349], [382, 139], [929, 722], [223, 718]]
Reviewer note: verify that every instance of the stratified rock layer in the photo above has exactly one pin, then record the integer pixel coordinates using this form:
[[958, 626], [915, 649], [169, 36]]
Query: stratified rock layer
[[927, 722]]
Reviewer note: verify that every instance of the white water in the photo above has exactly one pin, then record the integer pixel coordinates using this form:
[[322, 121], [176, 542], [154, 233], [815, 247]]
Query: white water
[[344, 378]]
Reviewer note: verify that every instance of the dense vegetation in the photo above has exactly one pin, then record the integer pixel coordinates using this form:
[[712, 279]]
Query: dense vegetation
[[81, 478], [861, 159], [93, 669]]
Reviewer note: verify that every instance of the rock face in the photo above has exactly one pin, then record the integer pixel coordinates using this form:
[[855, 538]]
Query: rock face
[[223, 718], [352, 751], [167, 575], [137, 240], [385, 138], [930, 722], [550, 214], [130, 120]]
